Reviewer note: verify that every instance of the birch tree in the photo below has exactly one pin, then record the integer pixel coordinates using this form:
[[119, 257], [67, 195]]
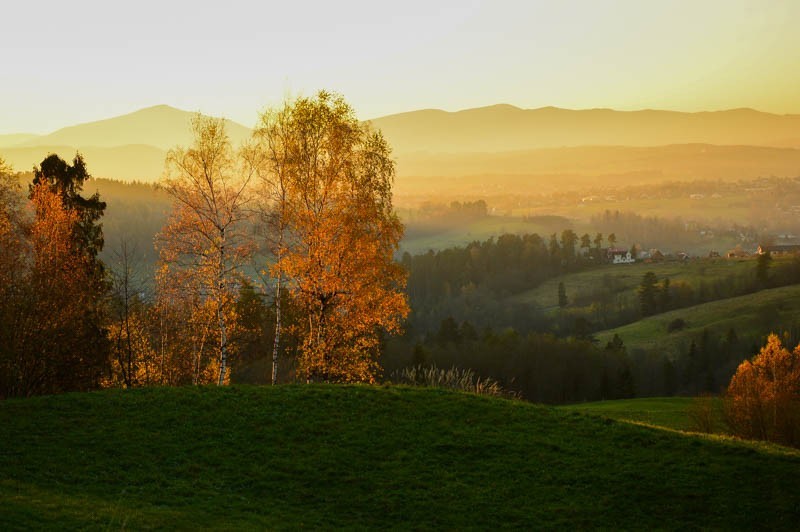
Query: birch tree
[[274, 138], [332, 182], [207, 231]]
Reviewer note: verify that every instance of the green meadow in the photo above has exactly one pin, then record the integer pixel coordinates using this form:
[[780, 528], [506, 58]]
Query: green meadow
[[624, 279], [333, 457], [748, 315]]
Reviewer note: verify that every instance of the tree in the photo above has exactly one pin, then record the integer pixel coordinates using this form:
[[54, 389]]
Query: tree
[[762, 267], [598, 240], [67, 181], [763, 397], [51, 340], [555, 250], [276, 138], [586, 241], [568, 241], [341, 233], [562, 295], [207, 232], [612, 240], [647, 294], [133, 361]]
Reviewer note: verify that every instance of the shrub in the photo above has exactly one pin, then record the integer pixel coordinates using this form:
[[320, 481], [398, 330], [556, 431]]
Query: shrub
[[676, 325], [701, 414], [763, 397]]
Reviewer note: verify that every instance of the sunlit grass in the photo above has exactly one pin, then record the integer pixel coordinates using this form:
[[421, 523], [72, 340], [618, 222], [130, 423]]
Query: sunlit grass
[[369, 457]]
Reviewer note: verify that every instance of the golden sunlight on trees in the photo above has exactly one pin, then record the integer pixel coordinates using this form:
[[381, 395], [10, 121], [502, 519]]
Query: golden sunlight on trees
[[46, 336], [330, 180], [763, 397], [51, 285], [204, 244]]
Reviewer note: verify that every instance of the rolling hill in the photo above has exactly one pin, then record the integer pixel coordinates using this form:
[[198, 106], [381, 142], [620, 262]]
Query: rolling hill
[[752, 314], [367, 457]]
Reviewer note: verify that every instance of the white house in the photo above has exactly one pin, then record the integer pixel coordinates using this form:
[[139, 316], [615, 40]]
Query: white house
[[620, 256]]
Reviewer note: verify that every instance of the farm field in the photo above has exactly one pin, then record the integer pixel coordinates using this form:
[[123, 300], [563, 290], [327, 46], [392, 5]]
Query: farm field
[[325, 456]]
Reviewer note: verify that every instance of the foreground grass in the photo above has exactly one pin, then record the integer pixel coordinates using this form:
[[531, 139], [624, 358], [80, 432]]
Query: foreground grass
[[369, 457], [667, 412]]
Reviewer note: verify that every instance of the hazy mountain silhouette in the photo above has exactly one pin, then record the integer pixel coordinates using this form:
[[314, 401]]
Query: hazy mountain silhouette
[[161, 126], [496, 140], [133, 162], [505, 127], [15, 139]]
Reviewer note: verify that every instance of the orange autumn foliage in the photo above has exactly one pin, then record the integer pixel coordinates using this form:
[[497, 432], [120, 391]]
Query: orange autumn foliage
[[335, 204], [47, 292], [763, 397], [202, 248]]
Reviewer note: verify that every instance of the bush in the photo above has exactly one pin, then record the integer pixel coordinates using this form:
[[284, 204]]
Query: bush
[[701, 414], [763, 397], [676, 325]]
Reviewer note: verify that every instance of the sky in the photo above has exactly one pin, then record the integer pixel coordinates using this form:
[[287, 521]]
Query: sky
[[63, 63]]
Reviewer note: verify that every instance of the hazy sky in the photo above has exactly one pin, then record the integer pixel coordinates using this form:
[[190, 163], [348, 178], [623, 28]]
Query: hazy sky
[[67, 62]]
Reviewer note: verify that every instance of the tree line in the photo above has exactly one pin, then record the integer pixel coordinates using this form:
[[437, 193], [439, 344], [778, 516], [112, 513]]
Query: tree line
[[294, 231]]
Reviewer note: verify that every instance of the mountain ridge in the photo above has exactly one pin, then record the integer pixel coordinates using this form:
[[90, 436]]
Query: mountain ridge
[[160, 126]]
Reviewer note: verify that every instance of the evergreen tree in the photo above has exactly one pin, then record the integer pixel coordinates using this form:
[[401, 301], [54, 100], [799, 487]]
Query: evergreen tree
[[562, 295], [67, 181], [762, 267], [647, 294]]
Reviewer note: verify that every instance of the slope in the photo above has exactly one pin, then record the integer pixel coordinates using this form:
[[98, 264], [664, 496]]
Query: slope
[[749, 315], [369, 457]]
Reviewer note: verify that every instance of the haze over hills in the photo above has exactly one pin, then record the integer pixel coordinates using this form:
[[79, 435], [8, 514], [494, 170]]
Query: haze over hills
[[128, 147], [505, 127], [14, 139], [494, 140], [160, 126]]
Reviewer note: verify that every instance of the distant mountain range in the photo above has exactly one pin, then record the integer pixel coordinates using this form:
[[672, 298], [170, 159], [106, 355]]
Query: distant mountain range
[[160, 126], [505, 127], [500, 139]]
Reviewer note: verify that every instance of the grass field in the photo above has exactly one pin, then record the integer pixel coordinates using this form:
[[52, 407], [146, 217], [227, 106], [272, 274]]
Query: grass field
[[327, 456], [752, 314], [667, 412], [626, 278]]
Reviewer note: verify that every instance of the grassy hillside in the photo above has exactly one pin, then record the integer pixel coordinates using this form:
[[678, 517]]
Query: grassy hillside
[[369, 457], [668, 412], [752, 314], [624, 279]]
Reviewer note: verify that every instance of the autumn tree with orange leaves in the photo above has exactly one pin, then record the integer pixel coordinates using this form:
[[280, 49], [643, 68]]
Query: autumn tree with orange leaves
[[332, 187], [47, 338], [763, 397], [205, 242]]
